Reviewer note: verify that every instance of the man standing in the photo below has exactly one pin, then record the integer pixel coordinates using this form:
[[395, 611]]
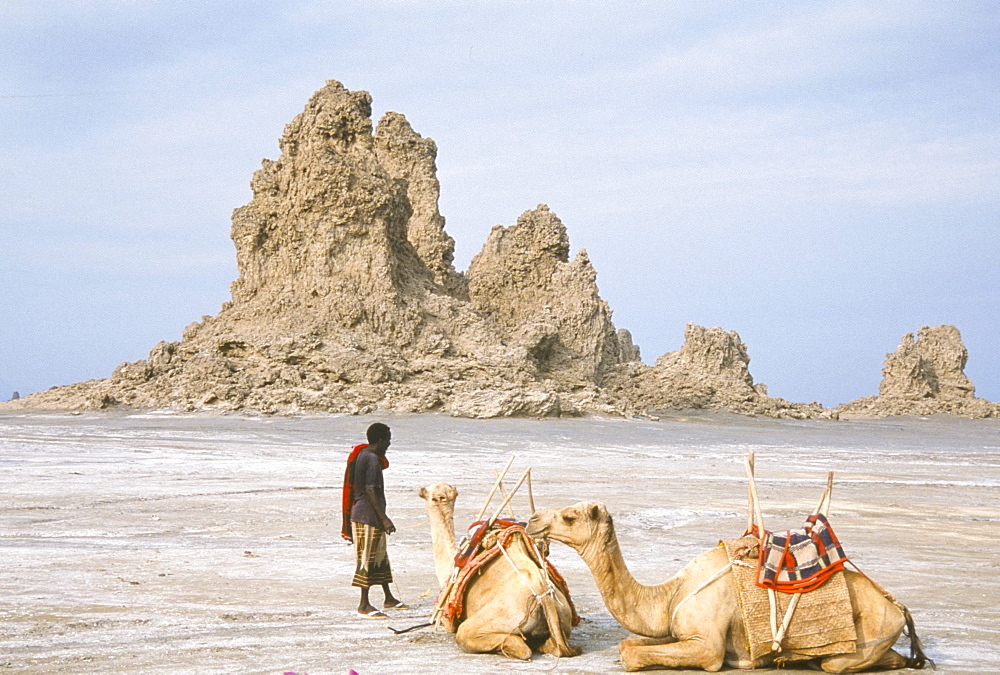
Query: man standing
[[364, 500]]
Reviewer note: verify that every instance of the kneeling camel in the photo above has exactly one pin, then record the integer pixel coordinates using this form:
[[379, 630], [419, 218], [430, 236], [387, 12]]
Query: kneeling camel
[[509, 605], [689, 624]]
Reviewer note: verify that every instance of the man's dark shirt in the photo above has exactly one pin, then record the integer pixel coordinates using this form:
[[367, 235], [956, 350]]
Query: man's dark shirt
[[367, 472]]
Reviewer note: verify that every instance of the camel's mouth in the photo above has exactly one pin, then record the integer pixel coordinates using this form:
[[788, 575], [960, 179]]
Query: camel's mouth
[[537, 530]]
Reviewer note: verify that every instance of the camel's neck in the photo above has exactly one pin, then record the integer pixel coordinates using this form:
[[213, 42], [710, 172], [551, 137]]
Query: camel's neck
[[644, 610], [443, 541]]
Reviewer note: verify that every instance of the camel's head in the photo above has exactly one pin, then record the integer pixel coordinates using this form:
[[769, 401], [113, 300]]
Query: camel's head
[[439, 497], [574, 525]]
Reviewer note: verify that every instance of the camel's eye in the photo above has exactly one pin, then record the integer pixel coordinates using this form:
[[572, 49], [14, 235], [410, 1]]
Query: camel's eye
[[569, 520]]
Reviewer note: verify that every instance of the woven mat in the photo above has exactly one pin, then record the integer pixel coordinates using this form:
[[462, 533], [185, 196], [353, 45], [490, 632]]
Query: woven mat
[[822, 625]]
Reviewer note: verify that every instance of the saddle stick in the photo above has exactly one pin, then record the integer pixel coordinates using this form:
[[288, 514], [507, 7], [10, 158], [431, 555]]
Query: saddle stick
[[442, 598], [531, 496], [824, 502], [772, 599], [753, 496], [489, 497], [509, 497], [779, 636], [822, 507], [750, 501], [503, 493]]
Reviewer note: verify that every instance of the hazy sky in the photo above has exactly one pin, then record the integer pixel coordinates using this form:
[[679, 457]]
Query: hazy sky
[[819, 177]]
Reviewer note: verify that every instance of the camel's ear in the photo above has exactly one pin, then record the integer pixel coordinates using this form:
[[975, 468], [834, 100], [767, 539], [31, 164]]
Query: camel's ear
[[596, 511], [454, 492], [423, 493]]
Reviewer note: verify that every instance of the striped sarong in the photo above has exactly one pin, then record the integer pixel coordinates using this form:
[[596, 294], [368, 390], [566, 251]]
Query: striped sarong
[[372, 558]]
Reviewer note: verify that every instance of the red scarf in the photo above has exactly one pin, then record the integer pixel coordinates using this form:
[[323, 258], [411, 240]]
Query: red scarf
[[348, 500]]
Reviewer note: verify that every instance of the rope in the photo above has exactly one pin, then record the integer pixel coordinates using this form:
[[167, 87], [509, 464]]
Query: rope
[[503, 649], [520, 575], [400, 631], [726, 568], [410, 527], [399, 596], [529, 665]]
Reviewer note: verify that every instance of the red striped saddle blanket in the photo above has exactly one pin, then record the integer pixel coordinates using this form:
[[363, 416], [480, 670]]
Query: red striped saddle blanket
[[797, 561]]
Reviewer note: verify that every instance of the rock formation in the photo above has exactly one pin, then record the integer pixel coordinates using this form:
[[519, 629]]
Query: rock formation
[[348, 301], [924, 376], [711, 370]]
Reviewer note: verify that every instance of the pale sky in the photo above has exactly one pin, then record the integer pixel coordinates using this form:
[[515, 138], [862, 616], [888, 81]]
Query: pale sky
[[819, 177]]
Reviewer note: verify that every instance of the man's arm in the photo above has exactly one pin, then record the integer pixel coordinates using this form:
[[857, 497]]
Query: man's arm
[[387, 524]]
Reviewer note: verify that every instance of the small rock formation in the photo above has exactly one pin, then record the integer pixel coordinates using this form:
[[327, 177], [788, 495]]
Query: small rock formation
[[15, 396], [628, 351], [924, 376], [542, 303], [409, 159], [932, 366], [710, 371]]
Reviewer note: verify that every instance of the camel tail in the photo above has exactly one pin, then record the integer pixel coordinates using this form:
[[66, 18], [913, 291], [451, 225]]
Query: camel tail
[[917, 658]]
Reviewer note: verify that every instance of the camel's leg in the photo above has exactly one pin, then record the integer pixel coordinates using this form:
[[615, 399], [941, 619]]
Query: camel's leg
[[557, 643], [889, 659], [646, 642], [694, 652], [553, 648], [475, 635], [514, 647], [878, 623]]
